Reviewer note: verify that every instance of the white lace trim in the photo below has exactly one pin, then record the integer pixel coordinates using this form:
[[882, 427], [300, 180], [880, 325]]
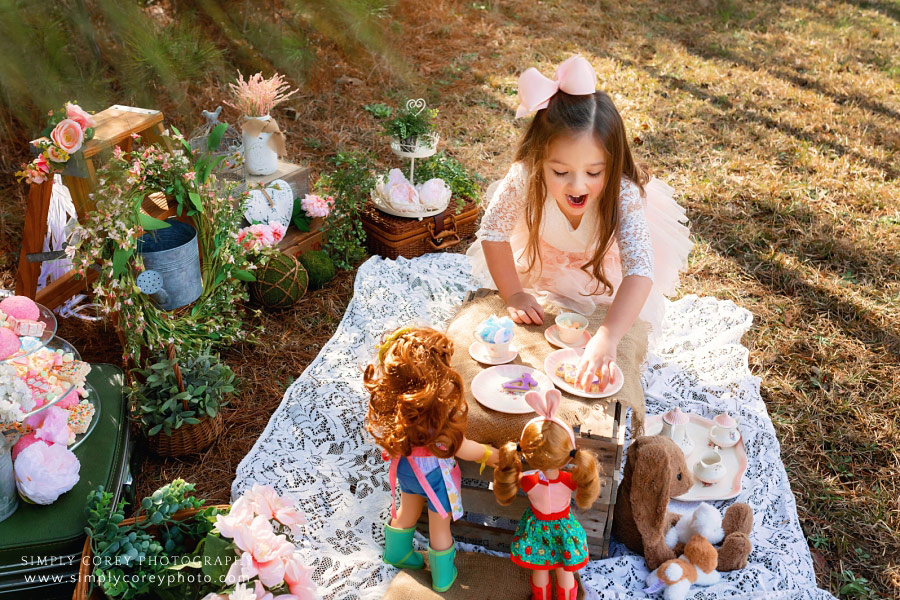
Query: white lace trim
[[316, 448], [506, 211]]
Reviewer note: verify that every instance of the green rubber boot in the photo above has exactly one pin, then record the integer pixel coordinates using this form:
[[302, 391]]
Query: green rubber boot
[[443, 569], [398, 548]]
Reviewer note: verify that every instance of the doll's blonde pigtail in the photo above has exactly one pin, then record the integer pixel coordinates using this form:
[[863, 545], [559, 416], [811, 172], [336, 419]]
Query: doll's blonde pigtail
[[587, 477], [506, 475]]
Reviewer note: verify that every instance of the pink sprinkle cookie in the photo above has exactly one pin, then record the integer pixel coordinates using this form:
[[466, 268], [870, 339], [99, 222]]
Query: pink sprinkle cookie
[[20, 307]]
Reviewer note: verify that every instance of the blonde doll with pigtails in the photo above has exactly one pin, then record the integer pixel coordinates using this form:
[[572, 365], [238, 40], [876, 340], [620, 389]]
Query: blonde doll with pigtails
[[548, 537]]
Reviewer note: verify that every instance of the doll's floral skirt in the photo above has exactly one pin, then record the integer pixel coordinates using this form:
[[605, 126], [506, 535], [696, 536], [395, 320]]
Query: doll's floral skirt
[[560, 543]]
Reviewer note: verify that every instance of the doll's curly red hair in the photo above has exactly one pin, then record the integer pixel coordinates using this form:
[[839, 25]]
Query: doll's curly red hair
[[416, 396]]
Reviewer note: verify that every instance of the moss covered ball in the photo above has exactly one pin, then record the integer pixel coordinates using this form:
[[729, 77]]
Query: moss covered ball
[[319, 267], [280, 282]]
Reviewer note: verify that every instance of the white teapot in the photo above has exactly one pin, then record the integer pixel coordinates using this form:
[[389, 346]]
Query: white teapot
[[725, 433], [675, 426]]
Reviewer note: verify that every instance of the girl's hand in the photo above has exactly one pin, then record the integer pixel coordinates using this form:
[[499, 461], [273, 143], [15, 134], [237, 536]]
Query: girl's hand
[[600, 353], [524, 308]]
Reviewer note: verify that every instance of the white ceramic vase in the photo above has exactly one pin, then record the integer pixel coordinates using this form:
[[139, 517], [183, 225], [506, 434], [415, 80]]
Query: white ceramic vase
[[259, 157]]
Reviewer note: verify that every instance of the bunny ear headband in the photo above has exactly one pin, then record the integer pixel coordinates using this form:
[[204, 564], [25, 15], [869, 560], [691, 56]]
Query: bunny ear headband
[[574, 76], [545, 406]]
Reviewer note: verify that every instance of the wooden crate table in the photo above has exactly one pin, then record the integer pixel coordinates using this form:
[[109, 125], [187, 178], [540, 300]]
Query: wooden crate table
[[603, 432]]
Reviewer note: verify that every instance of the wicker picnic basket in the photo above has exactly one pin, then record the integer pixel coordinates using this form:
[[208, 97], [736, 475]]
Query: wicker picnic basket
[[187, 439], [83, 586], [391, 236]]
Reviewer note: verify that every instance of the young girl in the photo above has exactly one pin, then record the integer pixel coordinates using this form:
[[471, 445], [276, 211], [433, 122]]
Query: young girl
[[576, 221], [417, 414], [548, 537]]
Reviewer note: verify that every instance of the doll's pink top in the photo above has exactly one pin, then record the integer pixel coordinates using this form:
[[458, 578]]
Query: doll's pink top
[[549, 498]]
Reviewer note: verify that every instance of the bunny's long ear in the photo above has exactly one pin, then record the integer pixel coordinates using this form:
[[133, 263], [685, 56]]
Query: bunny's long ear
[[552, 399], [536, 401], [650, 484]]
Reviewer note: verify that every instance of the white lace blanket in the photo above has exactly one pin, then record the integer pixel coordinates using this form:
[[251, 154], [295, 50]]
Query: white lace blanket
[[315, 447]]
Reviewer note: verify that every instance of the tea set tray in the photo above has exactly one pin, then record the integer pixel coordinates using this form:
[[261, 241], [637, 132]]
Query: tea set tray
[[734, 459]]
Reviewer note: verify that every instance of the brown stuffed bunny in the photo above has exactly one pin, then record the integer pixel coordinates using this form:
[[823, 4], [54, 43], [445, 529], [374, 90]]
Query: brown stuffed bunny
[[655, 471]]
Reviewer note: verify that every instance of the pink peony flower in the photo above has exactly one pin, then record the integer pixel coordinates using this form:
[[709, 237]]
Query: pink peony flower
[[241, 514], [434, 193], [77, 114], [278, 231], [68, 135], [263, 552], [44, 472], [400, 190], [316, 206]]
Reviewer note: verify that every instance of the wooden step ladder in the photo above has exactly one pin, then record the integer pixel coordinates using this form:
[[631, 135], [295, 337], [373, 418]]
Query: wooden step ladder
[[114, 127]]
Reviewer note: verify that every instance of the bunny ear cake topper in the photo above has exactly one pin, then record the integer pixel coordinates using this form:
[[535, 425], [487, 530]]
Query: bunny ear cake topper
[[546, 405]]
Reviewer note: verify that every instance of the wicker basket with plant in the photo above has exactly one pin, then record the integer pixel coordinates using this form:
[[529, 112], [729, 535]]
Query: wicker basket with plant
[[178, 405]]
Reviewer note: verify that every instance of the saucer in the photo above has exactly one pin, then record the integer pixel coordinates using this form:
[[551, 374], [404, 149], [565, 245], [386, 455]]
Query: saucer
[[573, 355], [552, 336], [487, 388], [480, 354]]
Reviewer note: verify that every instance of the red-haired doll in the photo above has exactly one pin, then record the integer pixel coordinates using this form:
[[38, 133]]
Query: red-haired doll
[[548, 536], [417, 414]]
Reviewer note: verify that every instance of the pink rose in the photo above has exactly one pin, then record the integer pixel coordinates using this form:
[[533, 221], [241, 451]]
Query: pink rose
[[77, 114], [68, 135], [43, 473]]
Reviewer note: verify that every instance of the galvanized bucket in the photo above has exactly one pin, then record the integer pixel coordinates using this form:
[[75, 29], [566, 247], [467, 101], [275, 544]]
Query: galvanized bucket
[[172, 262]]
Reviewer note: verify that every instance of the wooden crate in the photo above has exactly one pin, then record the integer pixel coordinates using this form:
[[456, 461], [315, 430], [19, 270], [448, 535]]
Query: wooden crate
[[604, 433]]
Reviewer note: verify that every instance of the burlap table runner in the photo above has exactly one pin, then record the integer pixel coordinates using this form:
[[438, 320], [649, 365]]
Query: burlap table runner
[[481, 576], [496, 428]]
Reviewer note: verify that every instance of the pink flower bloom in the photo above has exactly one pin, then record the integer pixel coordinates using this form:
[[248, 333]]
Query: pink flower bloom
[[263, 552], [189, 176], [316, 206], [44, 472], [41, 164], [262, 594], [262, 234], [56, 154], [117, 153], [25, 441], [68, 135], [135, 169], [77, 114], [241, 514], [297, 576], [278, 231]]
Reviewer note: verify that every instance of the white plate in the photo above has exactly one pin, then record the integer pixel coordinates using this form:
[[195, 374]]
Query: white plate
[[480, 353], [573, 355], [552, 335], [734, 459], [487, 388]]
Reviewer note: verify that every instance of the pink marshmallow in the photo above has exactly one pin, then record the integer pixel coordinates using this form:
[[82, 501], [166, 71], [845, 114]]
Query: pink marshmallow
[[9, 343]]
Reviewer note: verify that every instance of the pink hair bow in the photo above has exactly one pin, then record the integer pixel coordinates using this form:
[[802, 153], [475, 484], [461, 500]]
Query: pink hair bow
[[574, 76], [545, 406]]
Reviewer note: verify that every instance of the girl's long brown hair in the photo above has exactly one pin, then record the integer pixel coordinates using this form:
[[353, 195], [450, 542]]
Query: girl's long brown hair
[[416, 396], [545, 445], [571, 115]]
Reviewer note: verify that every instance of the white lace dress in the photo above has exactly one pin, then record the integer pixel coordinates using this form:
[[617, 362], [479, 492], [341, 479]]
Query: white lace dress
[[651, 240]]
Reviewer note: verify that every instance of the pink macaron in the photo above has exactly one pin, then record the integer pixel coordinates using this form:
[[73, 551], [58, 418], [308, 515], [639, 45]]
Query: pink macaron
[[9, 343], [20, 307]]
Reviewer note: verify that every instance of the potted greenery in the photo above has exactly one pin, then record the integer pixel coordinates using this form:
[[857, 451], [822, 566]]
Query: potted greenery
[[413, 127], [178, 406]]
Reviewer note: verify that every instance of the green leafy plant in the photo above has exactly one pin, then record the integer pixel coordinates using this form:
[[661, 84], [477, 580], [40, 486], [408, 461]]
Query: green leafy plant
[[160, 406], [463, 184], [410, 123], [856, 587], [379, 111], [128, 560], [349, 183]]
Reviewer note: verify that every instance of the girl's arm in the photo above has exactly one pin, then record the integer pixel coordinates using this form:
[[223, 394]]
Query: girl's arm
[[600, 352], [474, 452], [523, 307]]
